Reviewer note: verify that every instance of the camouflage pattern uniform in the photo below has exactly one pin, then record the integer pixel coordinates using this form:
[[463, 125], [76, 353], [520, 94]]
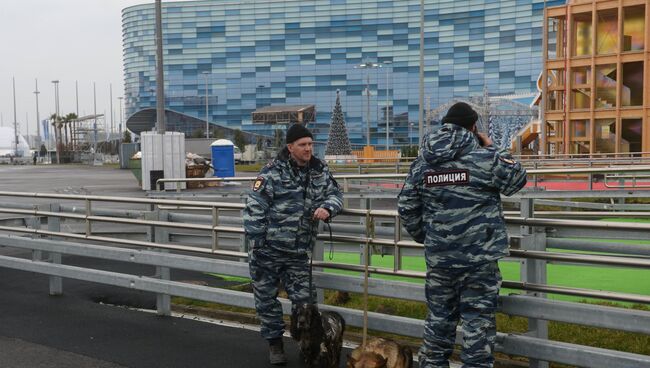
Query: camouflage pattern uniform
[[451, 202], [280, 233]]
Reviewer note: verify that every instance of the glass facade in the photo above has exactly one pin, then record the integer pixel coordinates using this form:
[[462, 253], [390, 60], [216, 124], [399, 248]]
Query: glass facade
[[261, 53]]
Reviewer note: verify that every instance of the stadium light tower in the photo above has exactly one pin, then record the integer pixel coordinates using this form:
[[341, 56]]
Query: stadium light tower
[[368, 66]]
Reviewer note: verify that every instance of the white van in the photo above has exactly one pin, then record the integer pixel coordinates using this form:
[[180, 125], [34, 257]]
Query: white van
[[237, 153]]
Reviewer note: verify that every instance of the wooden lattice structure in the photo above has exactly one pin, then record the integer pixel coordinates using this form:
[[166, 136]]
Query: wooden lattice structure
[[594, 83]]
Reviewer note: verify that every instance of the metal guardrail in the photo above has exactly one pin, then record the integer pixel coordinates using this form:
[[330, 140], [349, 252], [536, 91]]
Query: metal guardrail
[[158, 222], [622, 178], [605, 317], [385, 176], [343, 177]]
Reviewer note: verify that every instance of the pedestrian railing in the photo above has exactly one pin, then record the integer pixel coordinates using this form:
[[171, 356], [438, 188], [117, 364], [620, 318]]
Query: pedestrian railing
[[57, 224], [623, 175]]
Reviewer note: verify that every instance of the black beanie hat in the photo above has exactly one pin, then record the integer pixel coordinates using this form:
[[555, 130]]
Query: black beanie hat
[[297, 131], [461, 114]]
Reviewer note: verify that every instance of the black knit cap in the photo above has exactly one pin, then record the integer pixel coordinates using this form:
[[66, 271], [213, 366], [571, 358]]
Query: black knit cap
[[461, 114], [297, 131]]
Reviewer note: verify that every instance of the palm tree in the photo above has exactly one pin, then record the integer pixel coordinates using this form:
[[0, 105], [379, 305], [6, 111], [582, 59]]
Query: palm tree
[[56, 123], [68, 120]]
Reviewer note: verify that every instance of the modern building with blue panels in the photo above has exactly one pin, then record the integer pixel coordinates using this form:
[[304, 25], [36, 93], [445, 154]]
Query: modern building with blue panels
[[254, 54]]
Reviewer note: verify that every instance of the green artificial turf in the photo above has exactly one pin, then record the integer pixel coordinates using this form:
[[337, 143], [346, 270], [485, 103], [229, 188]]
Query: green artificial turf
[[624, 280]]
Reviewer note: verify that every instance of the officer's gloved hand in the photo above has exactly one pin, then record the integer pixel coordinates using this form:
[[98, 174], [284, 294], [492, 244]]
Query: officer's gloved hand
[[484, 140], [321, 214]]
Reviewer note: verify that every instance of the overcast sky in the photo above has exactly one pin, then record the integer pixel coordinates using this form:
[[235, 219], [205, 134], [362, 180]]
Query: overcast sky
[[65, 40]]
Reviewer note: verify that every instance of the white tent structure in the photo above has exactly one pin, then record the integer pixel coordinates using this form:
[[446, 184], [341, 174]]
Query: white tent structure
[[8, 145]]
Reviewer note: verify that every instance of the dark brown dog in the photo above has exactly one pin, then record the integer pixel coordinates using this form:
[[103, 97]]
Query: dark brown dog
[[319, 335], [381, 353]]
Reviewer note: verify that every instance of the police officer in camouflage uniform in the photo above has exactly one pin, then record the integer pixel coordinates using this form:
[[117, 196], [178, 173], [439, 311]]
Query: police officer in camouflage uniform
[[451, 202], [288, 198]]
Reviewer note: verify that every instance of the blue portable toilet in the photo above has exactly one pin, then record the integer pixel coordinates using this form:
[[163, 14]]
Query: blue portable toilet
[[223, 158]]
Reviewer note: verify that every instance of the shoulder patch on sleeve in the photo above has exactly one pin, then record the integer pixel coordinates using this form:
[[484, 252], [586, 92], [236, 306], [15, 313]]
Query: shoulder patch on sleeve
[[507, 160], [259, 182]]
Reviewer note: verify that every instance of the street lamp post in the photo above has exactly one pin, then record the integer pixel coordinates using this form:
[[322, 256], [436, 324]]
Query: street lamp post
[[95, 123], [13, 81], [421, 101], [387, 137], [121, 116], [160, 77], [207, 121], [75, 127], [110, 89], [38, 123], [56, 118], [367, 66]]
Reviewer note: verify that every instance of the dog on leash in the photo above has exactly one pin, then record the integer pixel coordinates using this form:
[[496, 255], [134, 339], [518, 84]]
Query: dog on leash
[[319, 335], [381, 353]]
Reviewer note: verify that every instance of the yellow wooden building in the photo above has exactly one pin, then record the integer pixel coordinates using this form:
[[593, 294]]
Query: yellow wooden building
[[597, 66]]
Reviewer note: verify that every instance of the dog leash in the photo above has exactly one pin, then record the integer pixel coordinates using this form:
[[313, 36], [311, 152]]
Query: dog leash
[[311, 255]]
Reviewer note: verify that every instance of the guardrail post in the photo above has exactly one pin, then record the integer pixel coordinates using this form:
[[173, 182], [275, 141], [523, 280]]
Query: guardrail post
[[34, 222], [317, 255], [89, 229], [214, 235], [533, 271], [161, 235], [365, 222], [54, 224], [346, 189], [621, 200], [397, 252], [243, 247]]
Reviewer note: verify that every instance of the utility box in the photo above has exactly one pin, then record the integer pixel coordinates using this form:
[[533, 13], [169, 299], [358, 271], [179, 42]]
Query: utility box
[[223, 158], [163, 156], [127, 150], [250, 153]]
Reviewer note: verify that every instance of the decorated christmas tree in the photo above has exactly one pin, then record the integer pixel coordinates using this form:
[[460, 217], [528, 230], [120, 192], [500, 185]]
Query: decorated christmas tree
[[338, 143]]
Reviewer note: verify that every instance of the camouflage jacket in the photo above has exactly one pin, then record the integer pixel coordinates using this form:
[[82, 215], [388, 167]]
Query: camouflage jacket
[[283, 198], [451, 198]]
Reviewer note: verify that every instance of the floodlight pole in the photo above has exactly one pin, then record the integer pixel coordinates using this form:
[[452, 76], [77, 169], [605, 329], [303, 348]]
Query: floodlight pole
[[421, 106], [38, 116], [160, 81], [121, 116], [56, 120], [13, 81], [110, 91], [367, 66], [207, 120], [387, 137]]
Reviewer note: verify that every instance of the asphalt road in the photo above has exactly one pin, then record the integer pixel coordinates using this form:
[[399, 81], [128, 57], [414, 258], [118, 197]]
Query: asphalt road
[[85, 328]]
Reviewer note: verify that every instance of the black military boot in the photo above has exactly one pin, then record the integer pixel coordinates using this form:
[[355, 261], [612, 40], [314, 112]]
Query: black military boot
[[276, 352]]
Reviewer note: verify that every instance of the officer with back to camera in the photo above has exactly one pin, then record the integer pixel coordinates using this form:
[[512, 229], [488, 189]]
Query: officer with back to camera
[[288, 198], [451, 202]]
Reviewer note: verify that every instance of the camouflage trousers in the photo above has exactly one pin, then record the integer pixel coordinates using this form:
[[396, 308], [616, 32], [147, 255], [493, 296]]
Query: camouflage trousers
[[468, 295], [269, 268]]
